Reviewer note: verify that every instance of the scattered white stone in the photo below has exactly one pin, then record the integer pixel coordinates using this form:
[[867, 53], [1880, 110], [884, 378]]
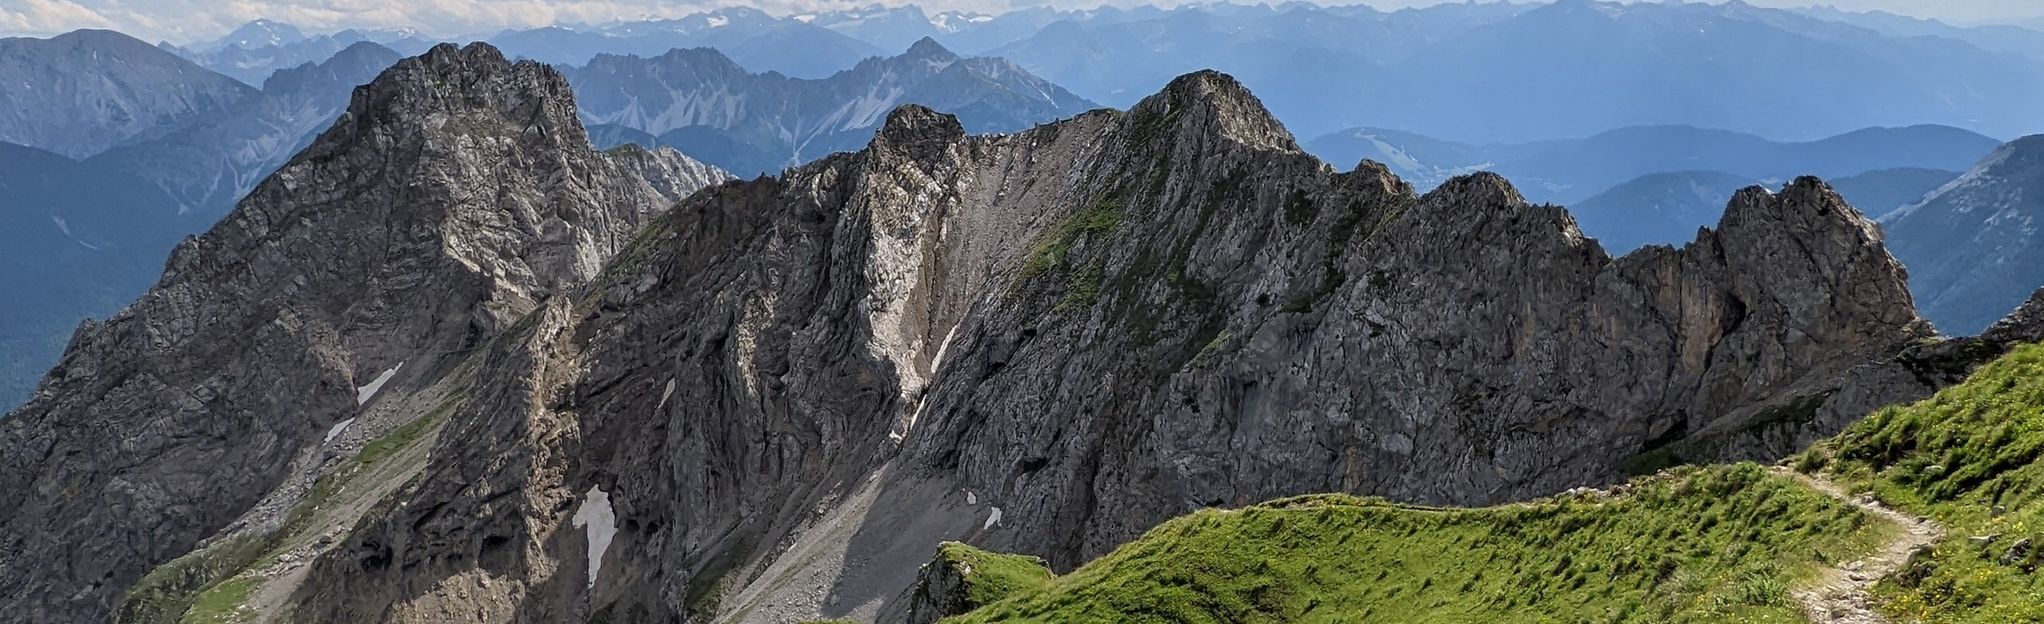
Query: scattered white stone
[[971, 498], [364, 393], [992, 519], [336, 431], [601, 522]]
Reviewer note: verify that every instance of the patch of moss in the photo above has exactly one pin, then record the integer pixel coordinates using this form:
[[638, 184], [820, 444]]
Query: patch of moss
[[1050, 250]]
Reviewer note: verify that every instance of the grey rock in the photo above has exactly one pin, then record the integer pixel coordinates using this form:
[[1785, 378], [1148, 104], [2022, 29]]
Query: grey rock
[[456, 192], [1081, 330]]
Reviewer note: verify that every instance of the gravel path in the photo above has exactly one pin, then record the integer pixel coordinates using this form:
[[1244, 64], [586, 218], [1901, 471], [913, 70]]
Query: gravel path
[[1841, 595]]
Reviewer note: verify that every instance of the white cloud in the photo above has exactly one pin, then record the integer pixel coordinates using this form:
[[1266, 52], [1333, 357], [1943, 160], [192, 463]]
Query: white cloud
[[191, 20], [46, 17]]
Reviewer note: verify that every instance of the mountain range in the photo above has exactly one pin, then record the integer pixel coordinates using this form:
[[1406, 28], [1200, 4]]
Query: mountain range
[[426, 355], [704, 103], [1568, 171], [466, 336], [1972, 245], [1787, 74], [84, 92]]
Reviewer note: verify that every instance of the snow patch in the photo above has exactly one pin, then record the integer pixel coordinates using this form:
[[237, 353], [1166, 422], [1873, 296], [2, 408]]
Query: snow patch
[[971, 498], [600, 520], [364, 393], [992, 519], [719, 21], [665, 395], [336, 431], [66, 229]]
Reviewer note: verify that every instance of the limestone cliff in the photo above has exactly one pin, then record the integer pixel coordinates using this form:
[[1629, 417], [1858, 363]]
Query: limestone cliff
[[456, 192], [780, 400]]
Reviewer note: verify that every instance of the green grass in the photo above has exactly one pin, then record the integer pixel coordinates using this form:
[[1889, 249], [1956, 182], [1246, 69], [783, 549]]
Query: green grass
[[208, 585], [1719, 544], [1956, 457], [1050, 250], [165, 594], [990, 577], [221, 604]]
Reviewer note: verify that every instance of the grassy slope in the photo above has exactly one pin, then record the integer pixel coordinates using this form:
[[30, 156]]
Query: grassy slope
[[1956, 457], [990, 577], [1719, 544], [210, 585]]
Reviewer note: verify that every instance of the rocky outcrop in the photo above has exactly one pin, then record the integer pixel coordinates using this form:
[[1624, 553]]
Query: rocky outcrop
[[456, 192], [789, 390]]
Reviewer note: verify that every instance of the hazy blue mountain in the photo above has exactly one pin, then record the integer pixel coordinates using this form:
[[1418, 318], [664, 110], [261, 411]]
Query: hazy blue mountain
[[1762, 71], [263, 47], [887, 28], [708, 106], [1667, 208], [1972, 246], [1883, 191], [755, 40], [76, 240], [209, 162], [1570, 68], [2028, 41], [1660, 208], [80, 93], [260, 33], [1424, 161], [1568, 171]]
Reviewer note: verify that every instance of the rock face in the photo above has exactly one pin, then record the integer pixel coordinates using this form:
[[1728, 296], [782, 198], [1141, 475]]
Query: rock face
[[81, 93], [791, 389], [456, 192], [751, 123], [1972, 247]]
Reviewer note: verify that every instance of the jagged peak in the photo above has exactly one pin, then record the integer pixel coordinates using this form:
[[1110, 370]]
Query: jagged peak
[[928, 48], [2025, 324], [1804, 204], [450, 78], [1208, 102], [1481, 190], [914, 127]]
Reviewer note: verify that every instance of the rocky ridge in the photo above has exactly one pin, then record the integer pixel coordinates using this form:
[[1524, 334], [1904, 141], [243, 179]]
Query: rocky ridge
[[789, 390], [456, 192]]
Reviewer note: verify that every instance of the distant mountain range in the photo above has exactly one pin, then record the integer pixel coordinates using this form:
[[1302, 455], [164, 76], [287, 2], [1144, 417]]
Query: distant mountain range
[[209, 162], [708, 106], [87, 216], [81, 93], [1471, 72], [1667, 208], [757, 41], [1973, 245], [75, 240], [1568, 171], [263, 47]]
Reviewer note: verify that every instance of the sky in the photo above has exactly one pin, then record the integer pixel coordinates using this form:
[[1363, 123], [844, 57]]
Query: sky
[[184, 21]]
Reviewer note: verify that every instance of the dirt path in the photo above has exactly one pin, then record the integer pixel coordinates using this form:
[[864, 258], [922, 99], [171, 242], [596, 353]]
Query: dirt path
[[1841, 594]]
